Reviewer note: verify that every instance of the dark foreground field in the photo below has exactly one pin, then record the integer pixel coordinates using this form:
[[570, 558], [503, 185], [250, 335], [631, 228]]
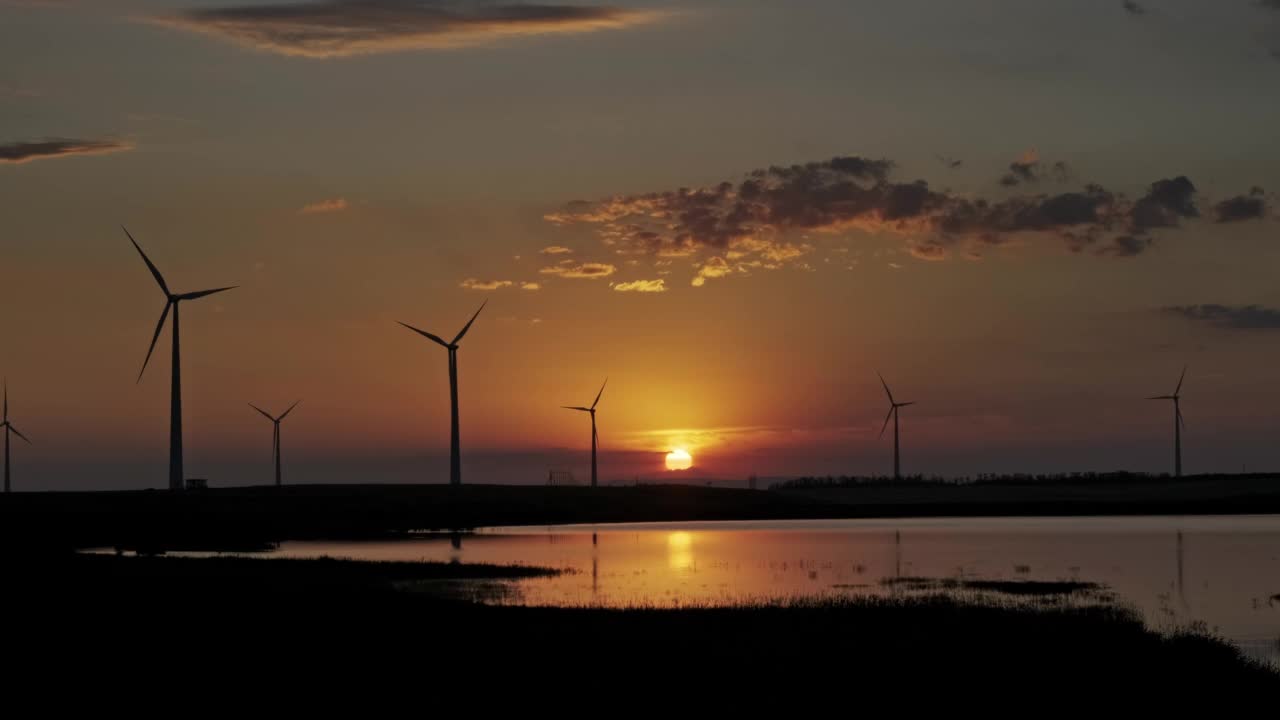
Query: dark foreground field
[[251, 516], [238, 618]]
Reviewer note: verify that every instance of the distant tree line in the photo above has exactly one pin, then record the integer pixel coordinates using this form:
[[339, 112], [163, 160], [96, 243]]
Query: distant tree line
[[844, 481]]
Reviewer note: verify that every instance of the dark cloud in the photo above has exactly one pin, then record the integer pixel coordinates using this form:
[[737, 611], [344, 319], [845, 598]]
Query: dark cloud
[[1269, 4], [1123, 246], [1239, 317], [951, 163], [337, 28], [1242, 207], [1133, 8], [752, 216], [1166, 203], [1029, 169], [21, 152]]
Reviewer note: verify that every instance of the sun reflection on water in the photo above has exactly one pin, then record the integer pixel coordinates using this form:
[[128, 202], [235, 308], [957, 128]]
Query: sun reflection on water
[[679, 550]]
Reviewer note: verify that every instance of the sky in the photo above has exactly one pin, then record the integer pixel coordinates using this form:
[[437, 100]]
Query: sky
[[1028, 215]]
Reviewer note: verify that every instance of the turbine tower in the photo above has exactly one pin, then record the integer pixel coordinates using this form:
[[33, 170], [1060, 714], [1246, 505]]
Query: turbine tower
[[8, 428], [275, 437], [455, 454], [893, 413], [1178, 422], [594, 436], [175, 395]]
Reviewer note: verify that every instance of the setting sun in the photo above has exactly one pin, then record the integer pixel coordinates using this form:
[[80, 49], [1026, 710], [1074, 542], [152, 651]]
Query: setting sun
[[679, 459]]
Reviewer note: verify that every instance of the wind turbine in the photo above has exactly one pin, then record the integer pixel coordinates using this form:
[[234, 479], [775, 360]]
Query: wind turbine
[[594, 436], [275, 437], [1178, 422], [175, 397], [455, 454], [8, 428], [893, 413]]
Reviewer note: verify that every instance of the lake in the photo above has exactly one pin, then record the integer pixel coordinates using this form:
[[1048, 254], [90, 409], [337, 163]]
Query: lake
[[1222, 571]]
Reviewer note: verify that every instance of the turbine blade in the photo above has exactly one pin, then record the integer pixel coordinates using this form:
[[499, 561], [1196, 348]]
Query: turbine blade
[[15, 432], [202, 293], [426, 335], [1181, 419], [467, 327], [286, 412], [571, 407], [902, 405], [264, 412], [6, 399], [159, 326], [1161, 397], [593, 405], [155, 272], [1181, 377], [886, 421], [886, 387]]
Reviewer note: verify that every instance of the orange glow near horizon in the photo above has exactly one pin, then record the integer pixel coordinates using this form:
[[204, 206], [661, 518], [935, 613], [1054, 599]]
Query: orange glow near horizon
[[679, 459]]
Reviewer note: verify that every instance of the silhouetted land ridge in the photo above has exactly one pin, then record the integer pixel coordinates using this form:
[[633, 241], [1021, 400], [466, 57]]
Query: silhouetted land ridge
[[341, 614], [247, 518]]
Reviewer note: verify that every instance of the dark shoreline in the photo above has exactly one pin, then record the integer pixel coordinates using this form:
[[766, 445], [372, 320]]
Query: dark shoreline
[[339, 613], [250, 517]]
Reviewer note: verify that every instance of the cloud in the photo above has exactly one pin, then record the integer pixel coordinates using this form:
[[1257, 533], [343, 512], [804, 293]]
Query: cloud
[[1165, 204], [731, 221], [950, 163], [715, 267], [1028, 169], [583, 270], [1241, 207], [324, 206], [18, 153], [1238, 317], [530, 286], [642, 286], [555, 250], [341, 28], [474, 284], [1133, 8]]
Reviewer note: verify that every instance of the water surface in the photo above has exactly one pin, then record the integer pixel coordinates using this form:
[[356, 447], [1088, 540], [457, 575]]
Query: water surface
[[1223, 572]]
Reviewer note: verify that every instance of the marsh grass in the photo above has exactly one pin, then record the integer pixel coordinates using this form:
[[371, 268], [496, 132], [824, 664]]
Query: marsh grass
[[131, 611]]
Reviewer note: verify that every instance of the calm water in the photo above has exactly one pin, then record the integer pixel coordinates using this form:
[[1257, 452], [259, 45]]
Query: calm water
[[1221, 571]]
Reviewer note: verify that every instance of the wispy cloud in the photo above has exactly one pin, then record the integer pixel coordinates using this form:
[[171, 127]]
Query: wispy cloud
[[1133, 8], [555, 250], [474, 284], [23, 152], [339, 28], [324, 206], [581, 270], [530, 286], [642, 286], [1239, 317]]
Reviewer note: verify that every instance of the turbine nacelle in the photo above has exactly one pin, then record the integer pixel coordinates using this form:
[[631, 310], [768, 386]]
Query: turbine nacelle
[[268, 416], [1176, 397], [893, 404], [450, 346], [171, 298], [5, 422], [595, 402]]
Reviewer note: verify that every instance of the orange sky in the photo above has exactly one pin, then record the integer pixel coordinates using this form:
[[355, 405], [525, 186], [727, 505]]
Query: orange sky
[[411, 179]]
